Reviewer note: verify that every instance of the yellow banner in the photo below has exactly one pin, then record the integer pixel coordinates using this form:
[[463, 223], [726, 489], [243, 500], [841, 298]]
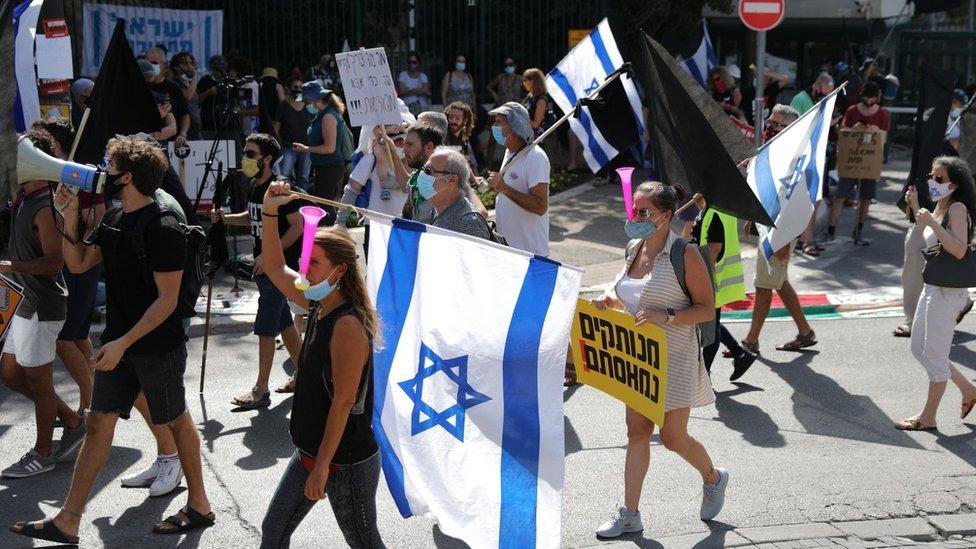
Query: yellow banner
[[625, 361], [11, 294]]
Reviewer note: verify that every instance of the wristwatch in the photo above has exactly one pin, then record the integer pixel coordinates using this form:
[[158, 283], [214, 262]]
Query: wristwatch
[[670, 312]]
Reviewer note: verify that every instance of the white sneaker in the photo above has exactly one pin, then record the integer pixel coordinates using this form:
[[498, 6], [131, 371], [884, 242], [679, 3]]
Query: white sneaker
[[169, 477], [713, 496], [144, 478], [624, 521]]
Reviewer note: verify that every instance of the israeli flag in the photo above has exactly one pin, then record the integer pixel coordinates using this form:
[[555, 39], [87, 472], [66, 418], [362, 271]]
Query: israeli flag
[[578, 75], [703, 60], [468, 411], [27, 103], [787, 173]]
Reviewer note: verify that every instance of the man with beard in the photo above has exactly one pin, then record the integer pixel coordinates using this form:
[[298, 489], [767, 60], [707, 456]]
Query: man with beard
[[460, 120]]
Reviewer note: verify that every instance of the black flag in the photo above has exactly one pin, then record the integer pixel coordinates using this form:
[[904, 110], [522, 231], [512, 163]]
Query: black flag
[[685, 128], [611, 113], [931, 119], [120, 103]]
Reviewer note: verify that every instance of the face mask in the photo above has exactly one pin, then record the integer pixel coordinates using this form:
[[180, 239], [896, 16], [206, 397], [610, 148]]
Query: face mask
[[413, 65], [641, 230], [509, 70], [938, 191], [956, 113], [250, 167], [769, 133], [719, 85], [320, 291], [312, 109], [185, 77], [156, 70], [425, 186], [496, 133], [460, 65], [111, 189]]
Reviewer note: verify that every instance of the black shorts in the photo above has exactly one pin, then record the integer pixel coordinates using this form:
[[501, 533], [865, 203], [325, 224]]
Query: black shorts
[[159, 377]]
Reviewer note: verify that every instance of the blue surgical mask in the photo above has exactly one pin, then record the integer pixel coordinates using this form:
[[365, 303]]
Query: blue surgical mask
[[640, 230], [955, 113], [425, 185], [312, 109], [496, 133], [460, 65], [510, 70], [157, 70], [320, 291]]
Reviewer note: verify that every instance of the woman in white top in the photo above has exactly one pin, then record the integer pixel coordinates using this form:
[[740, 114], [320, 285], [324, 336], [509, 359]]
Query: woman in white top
[[648, 289], [951, 225], [413, 86]]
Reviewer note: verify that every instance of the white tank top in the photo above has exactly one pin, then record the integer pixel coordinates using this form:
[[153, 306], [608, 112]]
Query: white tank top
[[629, 292], [931, 239]]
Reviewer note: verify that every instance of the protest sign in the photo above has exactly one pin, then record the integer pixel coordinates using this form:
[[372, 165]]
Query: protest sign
[[196, 31], [11, 295], [371, 98], [191, 167], [860, 154], [625, 361]]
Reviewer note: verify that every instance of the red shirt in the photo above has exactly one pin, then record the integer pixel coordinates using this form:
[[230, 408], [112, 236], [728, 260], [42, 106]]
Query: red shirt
[[880, 118]]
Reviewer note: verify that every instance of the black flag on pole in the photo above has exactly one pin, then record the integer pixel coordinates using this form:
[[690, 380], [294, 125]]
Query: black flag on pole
[[931, 119], [694, 142], [120, 103], [611, 113]]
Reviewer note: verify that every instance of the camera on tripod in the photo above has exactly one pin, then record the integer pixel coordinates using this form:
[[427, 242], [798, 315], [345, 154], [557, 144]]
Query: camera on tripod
[[232, 89]]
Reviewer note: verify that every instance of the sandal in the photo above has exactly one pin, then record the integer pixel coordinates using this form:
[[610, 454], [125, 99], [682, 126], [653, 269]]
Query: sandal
[[253, 401], [751, 347], [811, 250], [913, 425], [966, 408], [186, 520], [288, 387], [902, 331], [47, 532], [801, 342]]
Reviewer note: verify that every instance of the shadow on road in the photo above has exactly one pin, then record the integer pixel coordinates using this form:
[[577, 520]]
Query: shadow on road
[[714, 538], [825, 408], [134, 527], [263, 436], [756, 426], [962, 446]]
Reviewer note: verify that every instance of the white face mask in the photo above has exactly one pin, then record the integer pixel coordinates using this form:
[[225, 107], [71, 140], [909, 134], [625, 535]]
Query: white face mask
[[938, 191]]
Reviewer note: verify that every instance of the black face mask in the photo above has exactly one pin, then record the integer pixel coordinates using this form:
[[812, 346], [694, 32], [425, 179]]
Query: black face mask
[[111, 189]]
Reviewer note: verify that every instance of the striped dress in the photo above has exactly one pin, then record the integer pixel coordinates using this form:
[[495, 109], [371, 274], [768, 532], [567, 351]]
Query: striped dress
[[688, 381]]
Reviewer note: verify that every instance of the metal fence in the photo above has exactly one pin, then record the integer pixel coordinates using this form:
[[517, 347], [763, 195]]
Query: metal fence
[[952, 51], [288, 33]]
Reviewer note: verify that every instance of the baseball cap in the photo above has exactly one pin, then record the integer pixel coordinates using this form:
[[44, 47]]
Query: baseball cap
[[841, 66], [734, 71], [518, 119], [81, 85], [960, 96]]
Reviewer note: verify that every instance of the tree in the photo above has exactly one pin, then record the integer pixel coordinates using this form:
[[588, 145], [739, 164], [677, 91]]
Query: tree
[[657, 17]]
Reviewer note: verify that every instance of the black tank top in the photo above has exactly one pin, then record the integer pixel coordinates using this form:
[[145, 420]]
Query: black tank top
[[313, 390]]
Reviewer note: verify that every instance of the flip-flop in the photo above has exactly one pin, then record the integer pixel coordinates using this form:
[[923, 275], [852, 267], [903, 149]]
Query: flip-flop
[[47, 532], [902, 331], [288, 387], [197, 520], [801, 342], [966, 408], [913, 425]]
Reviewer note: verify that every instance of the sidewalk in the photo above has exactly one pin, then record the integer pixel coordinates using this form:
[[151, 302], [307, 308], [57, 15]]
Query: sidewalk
[[949, 531]]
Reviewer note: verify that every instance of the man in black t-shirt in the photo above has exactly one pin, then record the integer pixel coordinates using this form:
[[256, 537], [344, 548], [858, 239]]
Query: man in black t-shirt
[[171, 93], [207, 92], [274, 314], [143, 352]]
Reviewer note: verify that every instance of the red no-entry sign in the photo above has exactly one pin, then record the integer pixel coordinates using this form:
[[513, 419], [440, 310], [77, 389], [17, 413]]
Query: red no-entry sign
[[762, 15]]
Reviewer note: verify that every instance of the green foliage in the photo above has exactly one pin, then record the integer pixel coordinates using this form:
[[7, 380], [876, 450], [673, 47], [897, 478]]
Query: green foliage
[[656, 17]]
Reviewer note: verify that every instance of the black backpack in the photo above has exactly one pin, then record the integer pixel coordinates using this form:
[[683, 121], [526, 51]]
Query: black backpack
[[706, 330], [493, 233], [195, 268]]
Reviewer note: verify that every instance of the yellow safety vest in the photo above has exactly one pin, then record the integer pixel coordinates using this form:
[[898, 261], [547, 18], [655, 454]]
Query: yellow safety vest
[[730, 283]]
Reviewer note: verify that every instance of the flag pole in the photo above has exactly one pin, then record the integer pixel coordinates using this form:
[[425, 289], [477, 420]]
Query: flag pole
[[626, 68], [810, 110]]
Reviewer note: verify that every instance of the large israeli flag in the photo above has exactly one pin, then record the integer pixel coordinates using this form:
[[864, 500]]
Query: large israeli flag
[[787, 173], [703, 60], [578, 75], [468, 411], [27, 103]]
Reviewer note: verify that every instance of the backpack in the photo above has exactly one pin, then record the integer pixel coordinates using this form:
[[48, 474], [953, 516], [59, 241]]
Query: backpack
[[195, 266], [706, 330], [493, 233]]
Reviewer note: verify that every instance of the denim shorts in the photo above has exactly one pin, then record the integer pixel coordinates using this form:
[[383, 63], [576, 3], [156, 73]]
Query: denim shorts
[[158, 376], [274, 314]]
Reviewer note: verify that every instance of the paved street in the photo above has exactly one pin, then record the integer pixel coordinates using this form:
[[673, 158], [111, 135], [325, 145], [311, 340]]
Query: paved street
[[807, 438]]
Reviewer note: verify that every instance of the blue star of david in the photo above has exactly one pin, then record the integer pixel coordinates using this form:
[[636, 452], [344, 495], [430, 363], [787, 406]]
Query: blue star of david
[[456, 369], [793, 177], [593, 85]]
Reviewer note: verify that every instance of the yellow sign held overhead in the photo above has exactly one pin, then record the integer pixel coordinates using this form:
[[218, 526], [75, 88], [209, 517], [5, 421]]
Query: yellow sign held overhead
[[625, 361]]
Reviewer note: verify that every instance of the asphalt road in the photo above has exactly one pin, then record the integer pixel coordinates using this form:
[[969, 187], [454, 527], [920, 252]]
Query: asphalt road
[[806, 437]]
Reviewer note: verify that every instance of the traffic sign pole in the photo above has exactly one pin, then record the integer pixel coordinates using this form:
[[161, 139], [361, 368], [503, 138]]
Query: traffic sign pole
[[759, 103]]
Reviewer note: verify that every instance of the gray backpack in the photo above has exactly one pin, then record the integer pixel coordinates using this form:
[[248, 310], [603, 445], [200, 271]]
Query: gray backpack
[[706, 330]]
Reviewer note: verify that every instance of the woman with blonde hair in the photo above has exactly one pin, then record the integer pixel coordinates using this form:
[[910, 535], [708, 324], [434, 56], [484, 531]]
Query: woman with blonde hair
[[336, 453], [538, 102]]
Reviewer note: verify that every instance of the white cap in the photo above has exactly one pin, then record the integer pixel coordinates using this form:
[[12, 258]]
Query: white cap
[[735, 71]]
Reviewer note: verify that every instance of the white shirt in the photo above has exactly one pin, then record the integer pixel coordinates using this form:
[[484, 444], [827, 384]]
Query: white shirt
[[413, 84], [366, 169], [523, 229], [629, 292]]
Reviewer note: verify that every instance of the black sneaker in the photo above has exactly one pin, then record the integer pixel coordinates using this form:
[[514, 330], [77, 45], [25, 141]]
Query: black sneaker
[[858, 241], [741, 364]]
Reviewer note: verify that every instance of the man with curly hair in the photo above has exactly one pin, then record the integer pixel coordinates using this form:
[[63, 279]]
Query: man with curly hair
[[460, 120]]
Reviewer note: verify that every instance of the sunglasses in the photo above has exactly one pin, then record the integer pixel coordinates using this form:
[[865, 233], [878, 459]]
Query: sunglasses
[[251, 154], [937, 178], [431, 171], [642, 213], [774, 124]]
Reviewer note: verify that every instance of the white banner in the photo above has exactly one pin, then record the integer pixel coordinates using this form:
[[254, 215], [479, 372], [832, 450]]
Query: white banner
[[191, 168], [198, 32], [371, 97]]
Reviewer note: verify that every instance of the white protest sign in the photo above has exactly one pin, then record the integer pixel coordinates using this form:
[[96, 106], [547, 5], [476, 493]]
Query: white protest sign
[[371, 98], [191, 168]]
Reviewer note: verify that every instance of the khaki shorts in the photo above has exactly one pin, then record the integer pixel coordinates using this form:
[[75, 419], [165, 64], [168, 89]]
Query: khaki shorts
[[773, 276]]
